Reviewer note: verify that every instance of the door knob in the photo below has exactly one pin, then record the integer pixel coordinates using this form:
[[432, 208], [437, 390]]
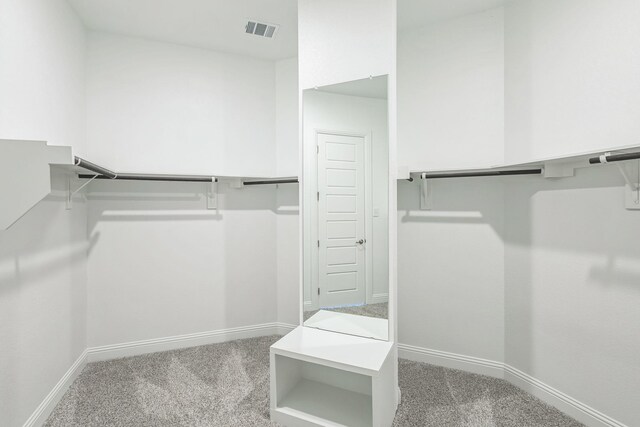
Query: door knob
[[361, 241]]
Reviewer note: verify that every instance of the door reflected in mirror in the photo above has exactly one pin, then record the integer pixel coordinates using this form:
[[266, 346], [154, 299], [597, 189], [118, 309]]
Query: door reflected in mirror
[[346, 178]]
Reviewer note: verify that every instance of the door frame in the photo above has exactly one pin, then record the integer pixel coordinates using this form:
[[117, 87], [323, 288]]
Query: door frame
[[368, 214]]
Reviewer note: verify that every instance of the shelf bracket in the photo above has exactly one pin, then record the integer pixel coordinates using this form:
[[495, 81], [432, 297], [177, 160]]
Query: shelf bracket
[[212, 193], [426, 196], [236, 183], [630, 171], [71, 193], [559, 170]]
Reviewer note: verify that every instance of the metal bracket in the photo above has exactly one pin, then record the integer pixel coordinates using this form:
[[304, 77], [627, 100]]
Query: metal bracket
[[236, 183], [212, 193], [426, 196], [559, 170], [632, 187], [71, 193]]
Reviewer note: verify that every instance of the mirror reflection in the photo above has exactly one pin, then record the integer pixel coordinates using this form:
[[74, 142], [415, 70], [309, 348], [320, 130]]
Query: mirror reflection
[[346, 178]]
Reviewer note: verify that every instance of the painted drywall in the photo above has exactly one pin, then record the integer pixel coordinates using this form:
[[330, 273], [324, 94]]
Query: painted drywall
[[287, 152], [43, 255], [337, 43], [544, 269], [42, 301], [572, 76], [451, 93], [161, 108], [42, 52], [342, 113], [288, 252], [163, 265], [572, 288], [287, 196], [451, 267]]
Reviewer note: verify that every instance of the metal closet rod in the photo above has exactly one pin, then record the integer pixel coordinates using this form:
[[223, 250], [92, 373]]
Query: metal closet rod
[[85, 164], [184, 179], [614, 158], [426, 175], [120, 177], [104, 173], [271, 181]]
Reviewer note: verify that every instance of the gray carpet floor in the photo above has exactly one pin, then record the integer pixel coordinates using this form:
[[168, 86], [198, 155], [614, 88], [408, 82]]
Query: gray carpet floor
[[228, 385], [379, 310]]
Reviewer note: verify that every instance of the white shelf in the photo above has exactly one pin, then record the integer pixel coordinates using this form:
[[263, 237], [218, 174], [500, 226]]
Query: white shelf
[[327, 405], [580, 159], [322, 378], [26, 167], [342, 351], [369, 327]]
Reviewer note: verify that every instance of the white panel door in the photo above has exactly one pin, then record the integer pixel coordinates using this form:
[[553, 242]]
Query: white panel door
[[341, 220]]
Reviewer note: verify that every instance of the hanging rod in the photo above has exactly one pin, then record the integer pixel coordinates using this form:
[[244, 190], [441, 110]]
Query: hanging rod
[[103, 172], [608, 158], [272, 181], [426, 175], [153, 178]]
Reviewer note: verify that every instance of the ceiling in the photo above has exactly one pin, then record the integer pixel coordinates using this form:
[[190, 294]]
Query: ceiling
[[219, 24], [210, 24], [375, 87], [414, 13]]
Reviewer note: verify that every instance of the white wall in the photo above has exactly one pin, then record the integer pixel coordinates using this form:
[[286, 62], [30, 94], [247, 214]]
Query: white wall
[[42, 301], [345, 40], [451, 93], [287, 203], [160, 108], [572, 288], [451, 267], [572, 76], [287, 152], [42, 74], [288, 253], [357, 115], [540, 274], [43, 255], [162, 264]]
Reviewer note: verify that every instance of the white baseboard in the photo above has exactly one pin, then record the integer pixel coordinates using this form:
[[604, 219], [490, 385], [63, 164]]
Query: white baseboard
[[47, 406], [475, 365], [379, 298], [567, 404], [578, 410], [135, 348], [570, 406]]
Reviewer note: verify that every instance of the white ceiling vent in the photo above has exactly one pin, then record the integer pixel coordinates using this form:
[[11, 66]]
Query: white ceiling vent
[[261, 29]]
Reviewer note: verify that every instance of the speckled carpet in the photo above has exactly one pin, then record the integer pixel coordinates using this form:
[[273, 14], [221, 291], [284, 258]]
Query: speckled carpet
[[228, 385]]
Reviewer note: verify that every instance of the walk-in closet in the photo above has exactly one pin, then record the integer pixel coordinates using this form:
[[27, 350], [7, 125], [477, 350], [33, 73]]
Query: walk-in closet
[[340, 213]]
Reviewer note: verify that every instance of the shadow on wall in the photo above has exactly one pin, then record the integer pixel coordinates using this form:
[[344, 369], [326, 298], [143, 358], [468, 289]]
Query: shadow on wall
[[456, 201], [159, 245], [572, 283], [42, 300], [570, 279], [178, 201], [570, 255], [35, 247]]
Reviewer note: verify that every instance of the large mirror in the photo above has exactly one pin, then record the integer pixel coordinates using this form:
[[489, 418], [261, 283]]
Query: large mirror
[[345, 207]]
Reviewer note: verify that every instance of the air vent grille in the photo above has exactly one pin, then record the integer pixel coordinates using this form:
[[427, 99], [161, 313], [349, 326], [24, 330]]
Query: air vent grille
[[261, 29]]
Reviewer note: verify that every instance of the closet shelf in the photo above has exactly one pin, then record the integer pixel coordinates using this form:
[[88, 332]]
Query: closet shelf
[[100, 172], [549, 167], [26, 168], [555, 167]]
